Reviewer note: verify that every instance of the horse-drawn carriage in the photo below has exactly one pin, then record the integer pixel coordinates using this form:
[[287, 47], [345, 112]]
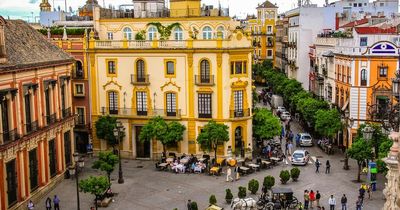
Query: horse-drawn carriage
[[282, 198]]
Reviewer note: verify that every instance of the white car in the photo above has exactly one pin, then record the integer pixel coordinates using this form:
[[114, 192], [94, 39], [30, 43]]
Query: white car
[[285, 115], [305, 139], [280, 109], [300, 157]]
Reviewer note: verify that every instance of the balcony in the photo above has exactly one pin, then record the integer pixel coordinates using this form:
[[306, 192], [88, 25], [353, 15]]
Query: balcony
[[204, 80], [9, 136], [239, 113], [78, 74], [127, 112], [140, 79], [66, 112], [51, 118], [31, 127]]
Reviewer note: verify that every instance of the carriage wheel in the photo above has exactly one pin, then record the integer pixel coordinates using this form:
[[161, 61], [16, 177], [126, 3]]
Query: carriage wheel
[[294, 203], [269, 206]]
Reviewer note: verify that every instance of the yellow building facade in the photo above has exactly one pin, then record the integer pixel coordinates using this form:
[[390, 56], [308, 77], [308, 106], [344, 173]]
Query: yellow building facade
[[198, 72], [263, 30]]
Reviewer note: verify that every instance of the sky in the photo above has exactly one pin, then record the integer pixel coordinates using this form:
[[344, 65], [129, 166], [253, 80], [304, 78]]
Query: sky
[[26, 9]]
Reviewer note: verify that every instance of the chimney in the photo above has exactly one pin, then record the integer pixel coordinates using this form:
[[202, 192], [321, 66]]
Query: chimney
[[3, 58]]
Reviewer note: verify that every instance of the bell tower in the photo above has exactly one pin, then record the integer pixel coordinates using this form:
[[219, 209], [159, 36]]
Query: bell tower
[[185, 8], [45, 6]]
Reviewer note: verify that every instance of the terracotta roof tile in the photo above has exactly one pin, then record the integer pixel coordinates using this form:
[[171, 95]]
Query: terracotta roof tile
[[355, 23], [27, 48], [375, 30]]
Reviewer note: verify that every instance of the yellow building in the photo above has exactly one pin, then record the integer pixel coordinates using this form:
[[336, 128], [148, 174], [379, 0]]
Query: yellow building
[[198, 70], [263, 31]]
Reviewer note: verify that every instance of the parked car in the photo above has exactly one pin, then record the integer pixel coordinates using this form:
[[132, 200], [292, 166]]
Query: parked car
[[281, 109], [285, 115], [300, 157], [305, 139]]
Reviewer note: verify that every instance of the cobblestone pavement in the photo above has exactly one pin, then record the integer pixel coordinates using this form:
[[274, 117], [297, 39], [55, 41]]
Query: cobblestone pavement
[[147, 189]]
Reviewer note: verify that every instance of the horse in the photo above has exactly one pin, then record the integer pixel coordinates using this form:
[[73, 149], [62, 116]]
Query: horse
[[243, 204]]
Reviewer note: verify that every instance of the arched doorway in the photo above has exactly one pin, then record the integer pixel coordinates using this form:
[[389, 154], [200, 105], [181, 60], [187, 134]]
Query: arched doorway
[[239, 141]]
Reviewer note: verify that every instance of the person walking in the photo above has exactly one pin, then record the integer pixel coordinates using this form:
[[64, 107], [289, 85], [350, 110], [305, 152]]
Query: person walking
[[343, 201], [30, 205], [317, 198], [48, 203], [317, 165], [290, 146], [189, 205], [56, 202], [328, 167], [332, 202], [306, 199], [312, 198], [362, 192], [369, 191], [358, 203]]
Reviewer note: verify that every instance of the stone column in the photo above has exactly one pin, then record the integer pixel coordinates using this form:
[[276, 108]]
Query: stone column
[[391, 187]]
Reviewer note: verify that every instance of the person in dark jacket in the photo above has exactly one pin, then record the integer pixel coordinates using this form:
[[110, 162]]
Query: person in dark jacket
[[343, 201], [317, 198], [328, 167], [189, 205], [48, 203]]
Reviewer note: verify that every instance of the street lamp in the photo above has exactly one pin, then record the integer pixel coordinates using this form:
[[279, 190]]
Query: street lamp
[[349, 122], [79, 163], [117, 133], [396, 85]]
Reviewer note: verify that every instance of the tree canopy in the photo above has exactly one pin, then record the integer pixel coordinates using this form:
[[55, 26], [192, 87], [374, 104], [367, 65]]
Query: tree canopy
[[327, 122], [360, 151], [94, 185], [106, 162], [265, 124], [212, 135], [167, 133], [105, 129]]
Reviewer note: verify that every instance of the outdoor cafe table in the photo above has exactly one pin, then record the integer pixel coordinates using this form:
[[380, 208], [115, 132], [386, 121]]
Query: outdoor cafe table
[[254, 166], [274, 160], [185, 160], [266, 164]]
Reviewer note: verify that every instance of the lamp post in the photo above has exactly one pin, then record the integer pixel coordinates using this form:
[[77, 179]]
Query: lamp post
[[349, 122], [117, 133], [79, 163]]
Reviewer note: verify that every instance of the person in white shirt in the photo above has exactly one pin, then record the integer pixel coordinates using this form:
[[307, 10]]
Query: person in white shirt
[[30, 205], [332, 203]]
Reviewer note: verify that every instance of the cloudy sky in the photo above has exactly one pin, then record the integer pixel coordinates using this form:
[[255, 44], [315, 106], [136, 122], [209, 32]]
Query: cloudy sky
[[27, 8]]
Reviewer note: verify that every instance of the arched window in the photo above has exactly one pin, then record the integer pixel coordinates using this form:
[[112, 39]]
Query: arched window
[[178, 33], [222, 30], [207, 32], [152, 33], [140, 72], [113, 102], [127, 33], [363, 77], [205, 71], [78, 70]]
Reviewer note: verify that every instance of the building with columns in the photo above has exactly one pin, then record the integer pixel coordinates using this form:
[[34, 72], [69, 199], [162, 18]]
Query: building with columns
[[35, 114], [200, 71]]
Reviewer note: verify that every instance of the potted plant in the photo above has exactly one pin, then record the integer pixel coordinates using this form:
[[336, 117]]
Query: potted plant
[[194, 205], [228, 196], [285, 176], [253, 186], [242, 192], [295, 173], [269, 182], [212, 200]]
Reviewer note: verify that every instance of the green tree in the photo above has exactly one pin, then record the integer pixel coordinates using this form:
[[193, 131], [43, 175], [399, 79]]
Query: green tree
[[309, 106], [167, 133], [265, 124], [268, 183], [294, 100], [95, 186], [384, 149], [253, 186], [212, 135], [327, 122], [360, 151], [164, 31], [105, 130], [212, 200], [106, 162], [242, 192]]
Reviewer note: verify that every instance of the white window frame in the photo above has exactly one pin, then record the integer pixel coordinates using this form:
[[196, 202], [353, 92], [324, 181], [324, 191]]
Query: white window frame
[[207, 32], [128, 34], [152, 33]]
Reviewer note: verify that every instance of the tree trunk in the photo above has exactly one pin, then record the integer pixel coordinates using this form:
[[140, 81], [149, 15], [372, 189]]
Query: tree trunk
[[164, 149], [359, 171], [109, 178], [95, 202], [215, 153]]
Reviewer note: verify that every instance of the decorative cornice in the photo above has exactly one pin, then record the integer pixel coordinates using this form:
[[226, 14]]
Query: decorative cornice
[[170, 83], [239, 84], [112, 82]]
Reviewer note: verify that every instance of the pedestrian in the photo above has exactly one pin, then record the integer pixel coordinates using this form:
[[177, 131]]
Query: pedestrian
[[317, 165], [290, 146], [343, 201], [286, 147], [56, 202], [306, 199], [332, 203], [298, 140], [229, 174], [189, 205], [362, 192], [48, 203], [369, 191], [328, 167], [317, 198], [358, 203], [312, 198], [30, 205]]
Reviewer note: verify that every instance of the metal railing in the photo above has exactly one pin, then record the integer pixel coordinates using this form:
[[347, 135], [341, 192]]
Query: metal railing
[[51, 118], [140, 79], [239, 113], [78, 74], [204, 79], [128, 112], [31, 127], [66, 112], [9, 136]]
